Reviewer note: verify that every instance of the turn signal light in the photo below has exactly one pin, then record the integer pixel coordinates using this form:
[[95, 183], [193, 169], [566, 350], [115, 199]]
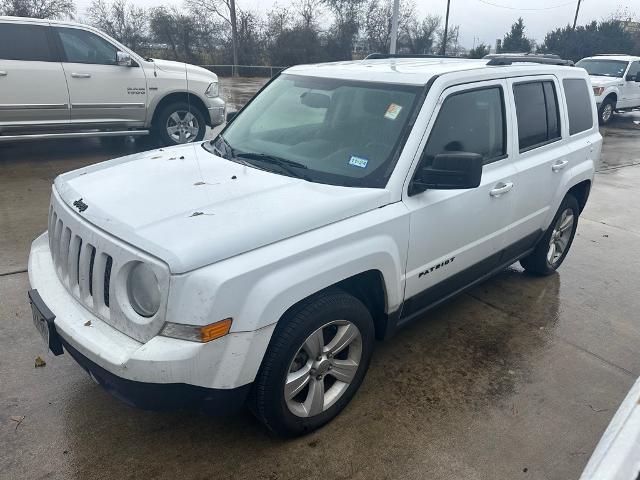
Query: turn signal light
[[197, 333], [215, 330]]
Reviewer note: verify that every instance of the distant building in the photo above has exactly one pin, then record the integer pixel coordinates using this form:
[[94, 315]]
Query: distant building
[[631, 27]]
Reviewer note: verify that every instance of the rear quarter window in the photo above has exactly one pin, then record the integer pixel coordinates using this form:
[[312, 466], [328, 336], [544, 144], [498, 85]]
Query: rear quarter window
[[578, 105]]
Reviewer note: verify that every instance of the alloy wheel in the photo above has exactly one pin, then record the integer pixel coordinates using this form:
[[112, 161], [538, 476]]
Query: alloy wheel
[[607, 111], [323, 368], [182, 126], [560, 236]]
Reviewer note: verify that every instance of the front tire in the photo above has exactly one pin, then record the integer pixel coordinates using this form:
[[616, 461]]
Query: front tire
[[554, 245], [605, 112], [315, 363], [180, 123]]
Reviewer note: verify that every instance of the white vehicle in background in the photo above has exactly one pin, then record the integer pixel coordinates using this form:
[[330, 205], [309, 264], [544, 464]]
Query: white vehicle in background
[[616, 83], [63, 79]]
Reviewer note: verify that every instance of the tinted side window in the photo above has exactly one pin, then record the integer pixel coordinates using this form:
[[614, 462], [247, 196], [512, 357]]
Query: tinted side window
[[578, 104], [25, 42], [80, 46], [537, 113], [634, 70], [471, 122]]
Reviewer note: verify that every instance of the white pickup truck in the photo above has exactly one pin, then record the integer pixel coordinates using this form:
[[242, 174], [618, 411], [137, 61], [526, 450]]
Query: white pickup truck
[[616, 83], [343, 201], [64, 79]]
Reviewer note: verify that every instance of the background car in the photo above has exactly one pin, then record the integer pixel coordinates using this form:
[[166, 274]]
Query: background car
[[66, 79], [616, 83]]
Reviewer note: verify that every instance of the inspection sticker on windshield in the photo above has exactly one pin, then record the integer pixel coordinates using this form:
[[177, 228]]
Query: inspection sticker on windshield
[[358, 161], [393, 110]]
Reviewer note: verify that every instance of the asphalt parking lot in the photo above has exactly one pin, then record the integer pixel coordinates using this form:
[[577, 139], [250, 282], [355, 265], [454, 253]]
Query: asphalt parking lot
[[518, 378]]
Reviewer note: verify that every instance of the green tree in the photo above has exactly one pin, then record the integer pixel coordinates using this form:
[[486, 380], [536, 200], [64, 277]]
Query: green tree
[[38, 8], [479, 51], [608, 36], [515, 41]]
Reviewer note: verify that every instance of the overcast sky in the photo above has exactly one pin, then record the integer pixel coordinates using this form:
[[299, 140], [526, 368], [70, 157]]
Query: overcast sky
[[479, 21]]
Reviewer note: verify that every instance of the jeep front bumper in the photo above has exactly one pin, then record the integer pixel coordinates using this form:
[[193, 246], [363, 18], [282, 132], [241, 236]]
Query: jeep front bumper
[[161, 373]]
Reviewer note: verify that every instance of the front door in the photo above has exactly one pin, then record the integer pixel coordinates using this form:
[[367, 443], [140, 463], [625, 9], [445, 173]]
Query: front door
[[33, 90], [631, 88], [100, 90], [457, 236]]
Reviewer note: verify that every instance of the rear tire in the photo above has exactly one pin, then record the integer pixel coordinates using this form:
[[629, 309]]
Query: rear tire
[[305, 359], [554, 245], [179, 123], [606, 110]]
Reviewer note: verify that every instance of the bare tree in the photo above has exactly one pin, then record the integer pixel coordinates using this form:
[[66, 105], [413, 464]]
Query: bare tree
[[377, 22], [348, 15], [125, 22], [223, 9], [38, 8], [420, 37]]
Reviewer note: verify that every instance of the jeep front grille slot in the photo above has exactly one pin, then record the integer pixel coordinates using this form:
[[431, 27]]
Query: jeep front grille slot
[[107, 279], [82, 268]]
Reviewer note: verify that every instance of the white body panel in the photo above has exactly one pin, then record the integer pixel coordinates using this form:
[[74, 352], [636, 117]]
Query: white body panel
[[261, 242], [32, 93]]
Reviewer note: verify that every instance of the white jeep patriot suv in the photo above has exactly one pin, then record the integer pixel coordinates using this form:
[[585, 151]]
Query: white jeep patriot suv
[[343, 201], [61, 79], [616, 83]]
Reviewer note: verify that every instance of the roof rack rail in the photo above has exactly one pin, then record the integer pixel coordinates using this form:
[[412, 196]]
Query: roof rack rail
[[510, 58], [379, 56], [611, 55]]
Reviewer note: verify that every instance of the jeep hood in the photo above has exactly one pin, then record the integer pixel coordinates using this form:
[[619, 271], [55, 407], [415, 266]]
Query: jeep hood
[[191, 208]]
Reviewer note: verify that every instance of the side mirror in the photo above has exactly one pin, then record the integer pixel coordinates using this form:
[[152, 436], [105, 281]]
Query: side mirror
[[449, 171], [123, 59], [231, 115]]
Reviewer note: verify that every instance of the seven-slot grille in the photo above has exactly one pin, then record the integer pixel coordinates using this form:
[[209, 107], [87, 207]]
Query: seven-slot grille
[[83, 269]]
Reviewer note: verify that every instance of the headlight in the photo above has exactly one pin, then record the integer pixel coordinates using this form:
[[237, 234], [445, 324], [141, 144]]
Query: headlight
[[212, 90], [597, 91], [143, 290]]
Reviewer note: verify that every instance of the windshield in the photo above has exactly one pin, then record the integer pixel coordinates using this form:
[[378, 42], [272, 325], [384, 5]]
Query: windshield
[[328, 130], [605, 68]]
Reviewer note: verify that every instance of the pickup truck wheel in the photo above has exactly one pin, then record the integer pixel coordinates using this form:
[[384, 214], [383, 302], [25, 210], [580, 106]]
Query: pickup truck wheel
[[553, 247], [180, 123], [315, 363], [605, 112]]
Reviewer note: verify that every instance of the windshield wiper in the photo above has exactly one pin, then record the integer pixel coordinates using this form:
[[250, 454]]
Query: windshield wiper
[[288, 166]]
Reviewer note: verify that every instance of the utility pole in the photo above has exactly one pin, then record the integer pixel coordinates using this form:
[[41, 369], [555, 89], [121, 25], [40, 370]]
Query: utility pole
[[234, 36], [575, 19], [394, 26], [446, 30]]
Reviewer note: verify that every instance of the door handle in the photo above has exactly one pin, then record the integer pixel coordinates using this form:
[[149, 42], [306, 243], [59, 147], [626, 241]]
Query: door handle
[[556, 167], [81, 75], [3, 73], [501, 188]]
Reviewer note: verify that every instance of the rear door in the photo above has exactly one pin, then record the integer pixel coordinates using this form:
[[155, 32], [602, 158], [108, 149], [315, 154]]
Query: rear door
[[541, 158], [33, 89], [457, 236], [101, 91]]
